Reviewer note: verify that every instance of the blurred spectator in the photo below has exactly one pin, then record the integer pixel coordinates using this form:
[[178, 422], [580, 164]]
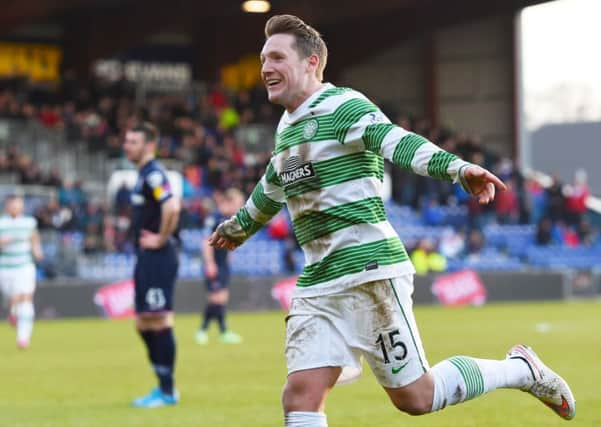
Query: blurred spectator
[[29, 172], [50, 117], [569, 235], [545, 234], [71, 194], [474, 244], [535, 198], [586, 234], [53, 179], [555, 200], [506, 204], [576, 196], [425, 259], [452, 244], [122, 198], [93, 241], [432, 213]]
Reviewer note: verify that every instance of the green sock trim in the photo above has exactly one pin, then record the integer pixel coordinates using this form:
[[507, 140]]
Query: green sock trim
[[469, 370]]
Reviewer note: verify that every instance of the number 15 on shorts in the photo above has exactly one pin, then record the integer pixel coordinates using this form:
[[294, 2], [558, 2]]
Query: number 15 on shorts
[[392, 346]]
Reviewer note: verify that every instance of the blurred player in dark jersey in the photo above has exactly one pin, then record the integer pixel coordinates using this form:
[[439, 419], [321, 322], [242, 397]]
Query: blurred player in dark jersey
[[154, 221], [217, 271]]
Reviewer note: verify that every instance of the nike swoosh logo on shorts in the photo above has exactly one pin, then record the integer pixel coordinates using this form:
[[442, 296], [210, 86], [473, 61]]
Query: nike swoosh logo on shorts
[[397, 370]]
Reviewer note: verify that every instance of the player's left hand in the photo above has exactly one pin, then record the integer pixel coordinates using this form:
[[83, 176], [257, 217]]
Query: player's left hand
[[149, 240], [482, 183]]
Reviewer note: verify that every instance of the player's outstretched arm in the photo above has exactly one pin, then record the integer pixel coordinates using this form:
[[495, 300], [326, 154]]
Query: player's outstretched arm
[[362, 119]]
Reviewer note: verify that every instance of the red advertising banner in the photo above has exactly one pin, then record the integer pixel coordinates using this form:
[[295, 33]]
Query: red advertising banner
[[282, 291], [460, 288], [116, 300]]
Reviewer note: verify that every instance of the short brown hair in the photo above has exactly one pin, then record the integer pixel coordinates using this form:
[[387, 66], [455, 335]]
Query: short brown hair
[[150, 131], [308, 39]]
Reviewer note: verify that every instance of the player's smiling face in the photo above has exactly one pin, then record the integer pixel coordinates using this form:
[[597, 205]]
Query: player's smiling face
[[285, 74]]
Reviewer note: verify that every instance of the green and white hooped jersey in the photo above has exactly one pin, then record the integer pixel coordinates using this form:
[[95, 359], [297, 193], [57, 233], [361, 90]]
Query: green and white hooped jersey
[[328, 167], [17, 253]]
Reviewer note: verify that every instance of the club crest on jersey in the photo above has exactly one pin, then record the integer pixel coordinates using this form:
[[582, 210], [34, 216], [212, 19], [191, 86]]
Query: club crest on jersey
[[310, 129], [295, 170], [377, 117]]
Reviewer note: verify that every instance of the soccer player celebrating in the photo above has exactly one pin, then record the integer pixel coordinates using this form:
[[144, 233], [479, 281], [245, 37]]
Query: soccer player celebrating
[[353, 297], [154, 220], [217, 271], [19, 241]]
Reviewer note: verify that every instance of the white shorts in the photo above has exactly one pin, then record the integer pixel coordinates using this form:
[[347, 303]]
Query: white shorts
[[19, 280], [373, 320]]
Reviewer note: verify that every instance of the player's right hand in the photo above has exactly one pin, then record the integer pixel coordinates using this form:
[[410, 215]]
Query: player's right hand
[[218, 241]]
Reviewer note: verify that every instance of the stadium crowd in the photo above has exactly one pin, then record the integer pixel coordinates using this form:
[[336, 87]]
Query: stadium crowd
[[201, 133]]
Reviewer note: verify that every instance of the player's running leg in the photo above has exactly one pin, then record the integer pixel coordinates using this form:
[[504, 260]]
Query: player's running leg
[[461, 378], [304, 396], [458, 378], [24, 313], [12, 315]]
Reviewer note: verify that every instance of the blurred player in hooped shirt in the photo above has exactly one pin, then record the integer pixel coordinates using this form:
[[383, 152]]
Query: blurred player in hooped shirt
[[19, 247], [217, 270]]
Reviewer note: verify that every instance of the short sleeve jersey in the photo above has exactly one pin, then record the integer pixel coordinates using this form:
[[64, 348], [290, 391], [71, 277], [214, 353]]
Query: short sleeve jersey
[[152, 189]]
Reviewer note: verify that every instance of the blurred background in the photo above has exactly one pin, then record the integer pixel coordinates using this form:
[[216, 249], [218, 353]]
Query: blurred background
[[513, 86]]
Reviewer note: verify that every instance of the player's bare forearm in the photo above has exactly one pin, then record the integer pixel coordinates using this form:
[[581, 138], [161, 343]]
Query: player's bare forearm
[[36, 247], [208, 253], [170, 211]]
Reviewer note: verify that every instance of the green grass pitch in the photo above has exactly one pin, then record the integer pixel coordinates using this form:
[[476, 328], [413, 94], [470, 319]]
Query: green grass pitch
[[84, 372]]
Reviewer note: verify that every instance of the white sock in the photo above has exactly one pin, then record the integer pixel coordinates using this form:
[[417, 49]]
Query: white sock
[[306, 419], [462, 378], [25, 315]]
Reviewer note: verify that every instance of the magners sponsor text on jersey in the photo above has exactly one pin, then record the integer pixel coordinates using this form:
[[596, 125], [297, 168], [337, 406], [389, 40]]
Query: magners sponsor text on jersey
[[300, 173]]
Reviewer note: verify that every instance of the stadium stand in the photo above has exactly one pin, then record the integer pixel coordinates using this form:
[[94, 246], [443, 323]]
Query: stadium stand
[[59, 146]]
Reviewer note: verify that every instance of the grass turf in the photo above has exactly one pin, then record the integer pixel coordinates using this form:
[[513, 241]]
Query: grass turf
[[84, 372]]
